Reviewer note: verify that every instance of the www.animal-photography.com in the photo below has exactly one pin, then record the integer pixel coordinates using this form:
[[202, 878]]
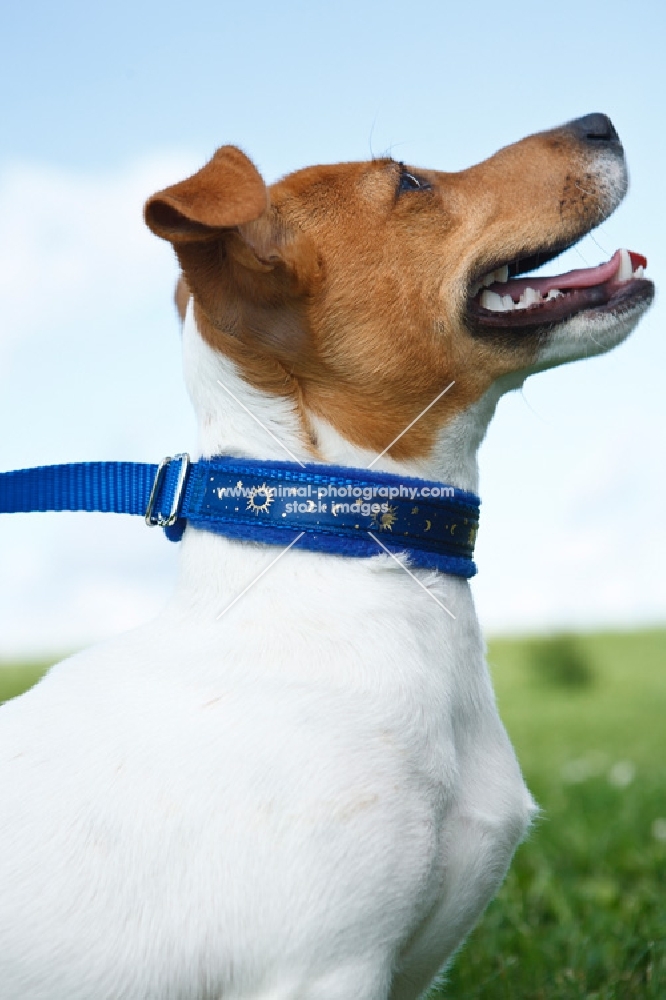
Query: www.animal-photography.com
[[332, 465]]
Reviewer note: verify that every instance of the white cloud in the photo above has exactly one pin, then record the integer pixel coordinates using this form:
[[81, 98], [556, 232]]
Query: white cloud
[[89, 368], [570, 532], [67, 241], [70, 579]]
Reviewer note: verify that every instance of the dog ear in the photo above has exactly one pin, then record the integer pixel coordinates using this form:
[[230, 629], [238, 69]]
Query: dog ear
[[232, 244], [226, 193]]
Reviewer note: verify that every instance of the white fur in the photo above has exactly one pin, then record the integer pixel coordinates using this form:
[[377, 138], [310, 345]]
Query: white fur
[[311, 797], [586, 336]]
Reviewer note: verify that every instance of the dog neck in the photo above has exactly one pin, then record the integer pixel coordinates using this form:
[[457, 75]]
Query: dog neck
[[237, 419]]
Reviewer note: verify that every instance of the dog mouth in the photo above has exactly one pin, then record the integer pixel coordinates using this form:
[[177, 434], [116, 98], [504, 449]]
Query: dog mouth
[[503, 299]]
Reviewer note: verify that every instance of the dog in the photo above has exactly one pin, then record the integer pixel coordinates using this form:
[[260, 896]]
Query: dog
[[307, 792]]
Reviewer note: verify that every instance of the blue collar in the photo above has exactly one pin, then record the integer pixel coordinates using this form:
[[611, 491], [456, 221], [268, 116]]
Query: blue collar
[[344, 511]]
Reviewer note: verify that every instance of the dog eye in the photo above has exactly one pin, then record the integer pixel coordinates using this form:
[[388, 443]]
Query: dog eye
[[410, 182]]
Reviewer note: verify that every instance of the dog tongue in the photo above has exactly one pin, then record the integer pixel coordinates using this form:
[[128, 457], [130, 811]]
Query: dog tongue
[[584, 277]]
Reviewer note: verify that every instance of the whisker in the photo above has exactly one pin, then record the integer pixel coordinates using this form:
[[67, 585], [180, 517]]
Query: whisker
[[595, 240]]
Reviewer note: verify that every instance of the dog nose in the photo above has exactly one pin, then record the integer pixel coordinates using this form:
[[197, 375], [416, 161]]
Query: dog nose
[[595, 128]]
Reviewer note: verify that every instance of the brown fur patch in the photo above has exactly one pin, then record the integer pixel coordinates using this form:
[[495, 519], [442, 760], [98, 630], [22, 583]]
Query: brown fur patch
[[181, 297]]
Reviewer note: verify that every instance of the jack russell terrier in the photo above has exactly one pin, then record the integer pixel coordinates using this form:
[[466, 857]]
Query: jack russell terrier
[[306, 793]]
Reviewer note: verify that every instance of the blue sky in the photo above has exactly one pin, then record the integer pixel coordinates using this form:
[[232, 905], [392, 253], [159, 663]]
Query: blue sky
[[103, 104]]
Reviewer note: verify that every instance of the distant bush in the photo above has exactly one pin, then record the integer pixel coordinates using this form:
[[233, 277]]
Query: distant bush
[[560, 661]]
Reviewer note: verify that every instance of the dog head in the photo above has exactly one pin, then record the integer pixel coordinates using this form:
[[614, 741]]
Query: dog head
[[359, 291]]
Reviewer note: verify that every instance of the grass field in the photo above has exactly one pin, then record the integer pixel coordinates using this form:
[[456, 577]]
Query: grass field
[[582, 913]]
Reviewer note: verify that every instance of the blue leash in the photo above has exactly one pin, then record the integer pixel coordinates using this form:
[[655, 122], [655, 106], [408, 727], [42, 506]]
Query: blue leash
[[332, 508], [118, 487]]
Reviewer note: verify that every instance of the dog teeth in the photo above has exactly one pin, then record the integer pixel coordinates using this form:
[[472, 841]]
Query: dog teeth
[[625, 272], [499, 276], [504, 303], [492, 301], [530, 297]]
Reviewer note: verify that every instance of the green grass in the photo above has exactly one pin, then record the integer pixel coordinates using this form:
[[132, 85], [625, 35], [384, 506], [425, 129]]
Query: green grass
[[582, 913], [15, 678]]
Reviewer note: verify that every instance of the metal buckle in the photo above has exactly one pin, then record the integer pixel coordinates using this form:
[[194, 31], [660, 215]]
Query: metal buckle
[[156, 520]]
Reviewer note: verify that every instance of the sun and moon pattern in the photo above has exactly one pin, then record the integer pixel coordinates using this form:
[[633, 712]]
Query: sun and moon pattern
[[259, 498], [329, 505], [326, 508]]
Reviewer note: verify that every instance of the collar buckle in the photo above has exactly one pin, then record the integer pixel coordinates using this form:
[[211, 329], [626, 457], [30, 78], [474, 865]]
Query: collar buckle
[[155, 518]]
